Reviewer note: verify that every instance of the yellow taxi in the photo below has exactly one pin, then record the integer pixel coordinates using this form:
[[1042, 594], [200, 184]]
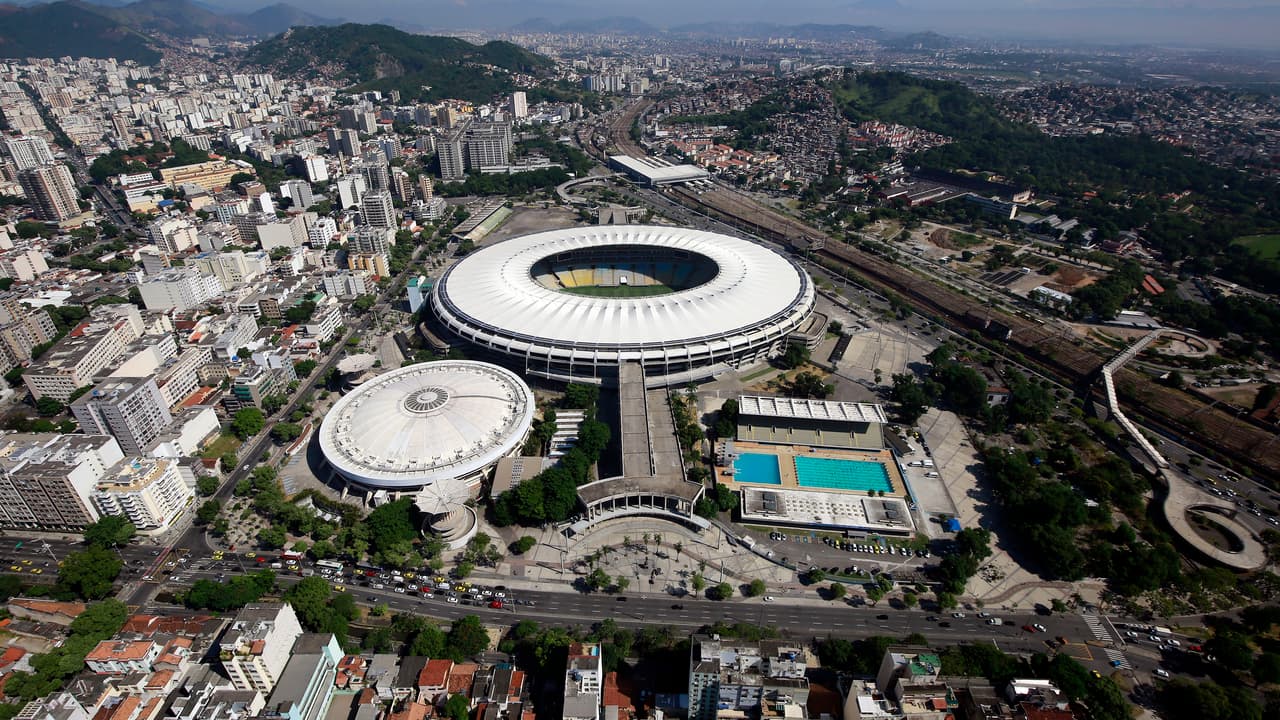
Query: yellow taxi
[[26, 562], [251, 554], [217, 554], [15, 568], [339, 588], [409, 576], [37, 571]]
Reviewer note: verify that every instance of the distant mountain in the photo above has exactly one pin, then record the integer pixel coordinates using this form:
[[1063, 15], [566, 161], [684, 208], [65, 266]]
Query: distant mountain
[[808, 31], [380, 57], [275, 19], [70, 28], [615, 25], [186, 18]]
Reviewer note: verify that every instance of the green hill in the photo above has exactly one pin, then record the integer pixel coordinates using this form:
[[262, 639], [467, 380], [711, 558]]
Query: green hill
[[70, 28], [380, 57]]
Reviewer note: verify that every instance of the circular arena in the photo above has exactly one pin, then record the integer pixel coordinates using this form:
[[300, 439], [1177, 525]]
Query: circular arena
[[437, 426], [573, 304]]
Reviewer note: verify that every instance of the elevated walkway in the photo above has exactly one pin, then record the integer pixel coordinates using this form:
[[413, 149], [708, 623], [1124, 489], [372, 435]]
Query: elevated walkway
[[653, 475], [1182, 495]]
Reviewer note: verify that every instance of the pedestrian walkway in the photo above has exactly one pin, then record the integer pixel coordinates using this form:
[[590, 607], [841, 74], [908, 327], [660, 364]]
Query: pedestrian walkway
[[1117, 659], [1096, 626]]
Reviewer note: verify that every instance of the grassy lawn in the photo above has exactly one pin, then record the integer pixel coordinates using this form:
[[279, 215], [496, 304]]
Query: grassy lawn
[[221, 446], [619, 291], [1266, 247]]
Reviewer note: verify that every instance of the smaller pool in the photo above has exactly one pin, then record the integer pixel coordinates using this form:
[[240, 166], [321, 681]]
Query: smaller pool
[[757, 468], [838, 474]]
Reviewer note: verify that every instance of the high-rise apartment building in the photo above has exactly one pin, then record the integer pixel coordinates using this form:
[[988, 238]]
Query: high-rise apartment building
[[28, 152], [256, 648], [173, 235], [315, 169], [351, 190], [376, 174], [88, 350], [51, 191], [46, 480], [150, 492], [742, 677], [131, 410], [452, 153], [180, 288], [299, 191], [489, 145], [378, 209], [371, 239], [519, 105], [21, 329]]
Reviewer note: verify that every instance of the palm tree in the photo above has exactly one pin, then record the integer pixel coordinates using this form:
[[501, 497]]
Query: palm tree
[[678, 546]]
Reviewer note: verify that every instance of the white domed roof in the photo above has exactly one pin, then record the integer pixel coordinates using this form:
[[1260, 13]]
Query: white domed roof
[[427, 424]]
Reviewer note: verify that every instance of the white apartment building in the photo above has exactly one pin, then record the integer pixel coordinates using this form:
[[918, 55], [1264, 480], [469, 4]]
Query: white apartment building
[[239, 330], [231, 268], [378, 209], [78, 358], [25, 265], [173, 235], [255, 649], [290, 233], [131, 410], [321, 231], [182, 288], [313, 166], [46, 480], [150, 492], [28, 152], [347, 283], [351, 190], [325, 321]]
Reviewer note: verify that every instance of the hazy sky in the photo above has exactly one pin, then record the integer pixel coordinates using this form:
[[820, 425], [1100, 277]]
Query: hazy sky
[[1215, 22]]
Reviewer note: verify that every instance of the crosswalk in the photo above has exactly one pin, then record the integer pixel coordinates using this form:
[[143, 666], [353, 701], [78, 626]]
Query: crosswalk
[[1095, 625], [1117, 659]]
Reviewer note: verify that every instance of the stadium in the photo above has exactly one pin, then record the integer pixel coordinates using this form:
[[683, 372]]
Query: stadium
[[573, 304], [432, 430]]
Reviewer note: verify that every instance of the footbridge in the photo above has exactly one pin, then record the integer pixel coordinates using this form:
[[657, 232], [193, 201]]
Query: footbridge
[[1246, 551]]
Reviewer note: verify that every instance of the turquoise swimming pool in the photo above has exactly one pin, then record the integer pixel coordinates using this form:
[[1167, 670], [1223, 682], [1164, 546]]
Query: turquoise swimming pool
[[757, 468], [837, 474]]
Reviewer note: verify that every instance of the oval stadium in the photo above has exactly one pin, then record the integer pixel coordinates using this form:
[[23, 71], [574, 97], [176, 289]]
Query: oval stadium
[[573, 304]]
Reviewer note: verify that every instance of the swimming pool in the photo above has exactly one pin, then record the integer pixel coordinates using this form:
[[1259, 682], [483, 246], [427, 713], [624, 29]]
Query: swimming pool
[[757, 468], [838, 474]]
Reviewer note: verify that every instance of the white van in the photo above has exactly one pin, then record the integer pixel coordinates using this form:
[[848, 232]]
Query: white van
[[932, 475]]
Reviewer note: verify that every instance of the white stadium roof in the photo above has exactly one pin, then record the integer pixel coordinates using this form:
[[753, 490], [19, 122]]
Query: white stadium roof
[[427, 424], [494, 288]]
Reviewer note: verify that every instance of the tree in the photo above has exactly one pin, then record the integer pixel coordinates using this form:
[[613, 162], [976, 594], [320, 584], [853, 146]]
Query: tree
[[88, 574], [207, 485], [816, 575], [697, 582], [722, 591], [837, 590], [727, 419], [304, 368], [364, 303], [208, 512], [390, 525], [109, 532], [911, 397], [621, 583], [228, 461], [794, 356], [523, 545], [430, 641], [467, 638], [755, 588], [247, 422], [310, 600], [808, 385], [910, 599], [1232, 650], [457, 707], [48, 407], [284, 432]]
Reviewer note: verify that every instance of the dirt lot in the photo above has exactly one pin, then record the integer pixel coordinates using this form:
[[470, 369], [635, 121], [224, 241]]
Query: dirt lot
[[525, 220]]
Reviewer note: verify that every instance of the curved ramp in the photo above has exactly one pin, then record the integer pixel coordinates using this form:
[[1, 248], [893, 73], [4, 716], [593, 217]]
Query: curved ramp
[[1182, 497]]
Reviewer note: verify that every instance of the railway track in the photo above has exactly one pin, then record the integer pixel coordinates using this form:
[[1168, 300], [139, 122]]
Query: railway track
[[1063, 356], [1055, 352]]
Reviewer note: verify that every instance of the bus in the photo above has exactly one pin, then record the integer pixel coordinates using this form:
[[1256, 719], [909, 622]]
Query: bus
[[329, 565], [292, 555]]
